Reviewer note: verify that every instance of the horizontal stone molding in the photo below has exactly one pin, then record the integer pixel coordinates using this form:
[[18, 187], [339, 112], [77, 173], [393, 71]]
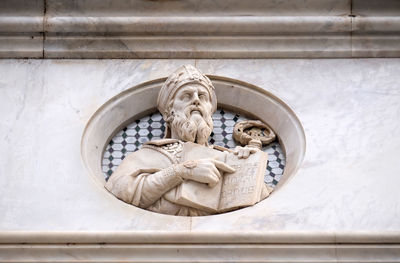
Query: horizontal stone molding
[[203, 237], [200, 37], [365, 25], [197, 247], [201, 26], [21, 46], [199, 253], [246, 25], [190, 29], [21, 24]]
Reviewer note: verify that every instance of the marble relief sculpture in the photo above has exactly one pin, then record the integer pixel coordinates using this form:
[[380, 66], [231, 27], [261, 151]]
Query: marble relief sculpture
[[181, 174]]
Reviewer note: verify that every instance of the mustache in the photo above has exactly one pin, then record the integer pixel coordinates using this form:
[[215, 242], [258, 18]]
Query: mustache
[[192, 128], [191, 108]]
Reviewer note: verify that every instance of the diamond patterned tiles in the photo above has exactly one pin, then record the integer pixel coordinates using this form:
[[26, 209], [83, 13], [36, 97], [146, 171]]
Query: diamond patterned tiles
[[151, 127]]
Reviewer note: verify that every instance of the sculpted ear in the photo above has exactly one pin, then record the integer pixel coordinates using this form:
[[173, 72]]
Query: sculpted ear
[[168, 116], [169, 119]]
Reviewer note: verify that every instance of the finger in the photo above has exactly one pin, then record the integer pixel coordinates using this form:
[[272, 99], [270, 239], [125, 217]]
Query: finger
[[236, 150], [214, 180], [216, 172], [240, 154], [224, 167], [212, 184], [253, 150], [246, 153]]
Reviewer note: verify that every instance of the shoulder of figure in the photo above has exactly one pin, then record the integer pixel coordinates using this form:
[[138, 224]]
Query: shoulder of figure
[[171, 148]]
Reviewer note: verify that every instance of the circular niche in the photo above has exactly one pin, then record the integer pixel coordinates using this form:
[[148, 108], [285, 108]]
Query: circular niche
[[129, 119]]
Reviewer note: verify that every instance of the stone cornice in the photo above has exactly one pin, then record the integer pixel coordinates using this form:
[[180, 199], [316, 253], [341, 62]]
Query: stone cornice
[[198, 247], [57, 29], [199, 237]]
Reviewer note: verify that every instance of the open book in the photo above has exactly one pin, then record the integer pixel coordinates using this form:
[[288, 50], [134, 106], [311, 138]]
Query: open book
[[234, 190]]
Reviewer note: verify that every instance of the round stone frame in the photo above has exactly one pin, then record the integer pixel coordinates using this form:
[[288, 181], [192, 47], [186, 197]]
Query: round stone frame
[[232, 94]]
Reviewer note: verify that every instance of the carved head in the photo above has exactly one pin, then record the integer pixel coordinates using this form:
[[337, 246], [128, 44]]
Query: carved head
[[187, 101]]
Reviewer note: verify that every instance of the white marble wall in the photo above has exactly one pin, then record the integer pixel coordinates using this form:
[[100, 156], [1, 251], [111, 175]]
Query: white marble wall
[[348, 182], [343, 205]]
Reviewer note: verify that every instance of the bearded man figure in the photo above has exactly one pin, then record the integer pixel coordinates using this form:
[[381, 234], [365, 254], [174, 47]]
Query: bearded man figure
[[147, 178]]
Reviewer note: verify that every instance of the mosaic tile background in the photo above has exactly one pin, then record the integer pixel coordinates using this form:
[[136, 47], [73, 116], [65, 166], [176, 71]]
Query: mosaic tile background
[[151, 127]]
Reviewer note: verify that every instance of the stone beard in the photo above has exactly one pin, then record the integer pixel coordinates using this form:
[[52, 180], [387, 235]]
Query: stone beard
[[195, 124]]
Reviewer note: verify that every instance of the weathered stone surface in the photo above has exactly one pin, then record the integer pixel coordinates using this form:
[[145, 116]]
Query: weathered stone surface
[[187, 29], [345, 195]]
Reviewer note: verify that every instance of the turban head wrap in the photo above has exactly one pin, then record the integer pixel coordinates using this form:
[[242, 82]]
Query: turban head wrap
[[186, 74]]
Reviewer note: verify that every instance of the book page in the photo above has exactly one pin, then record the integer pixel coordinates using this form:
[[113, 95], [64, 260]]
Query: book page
[[239, 189], [243, 188]]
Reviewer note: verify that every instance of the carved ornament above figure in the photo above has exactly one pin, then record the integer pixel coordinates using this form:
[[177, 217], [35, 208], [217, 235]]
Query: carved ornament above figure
[[182, 174]]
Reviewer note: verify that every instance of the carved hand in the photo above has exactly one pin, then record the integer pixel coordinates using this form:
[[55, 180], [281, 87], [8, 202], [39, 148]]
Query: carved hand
[[244, 152], [207, 171]]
